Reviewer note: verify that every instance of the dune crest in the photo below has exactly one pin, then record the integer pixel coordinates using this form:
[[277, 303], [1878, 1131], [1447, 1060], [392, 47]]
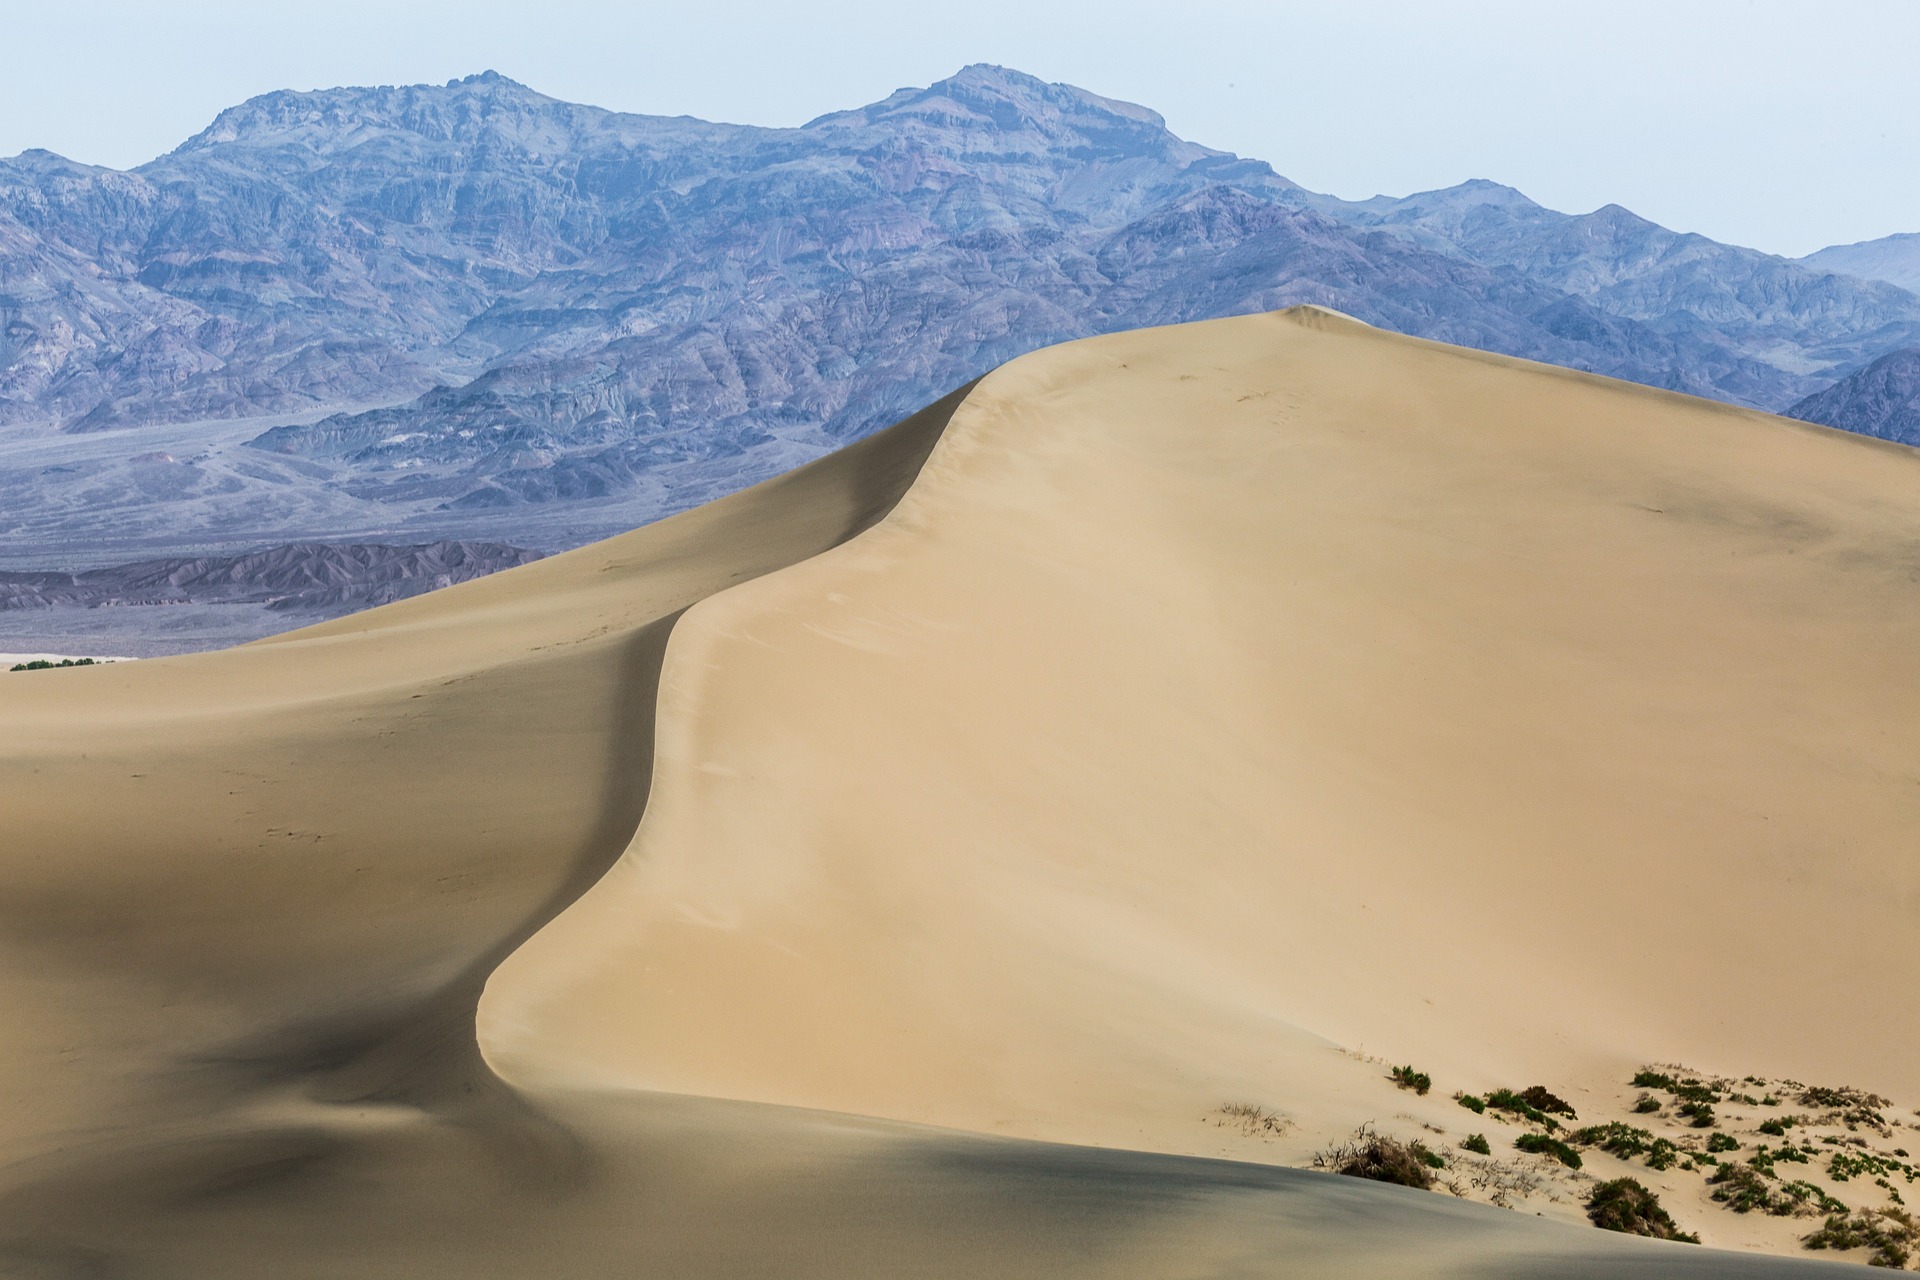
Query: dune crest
[[1171, 720]]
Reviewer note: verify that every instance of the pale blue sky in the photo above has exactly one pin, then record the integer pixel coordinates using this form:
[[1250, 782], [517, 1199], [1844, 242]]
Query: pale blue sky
[[1783, 126]]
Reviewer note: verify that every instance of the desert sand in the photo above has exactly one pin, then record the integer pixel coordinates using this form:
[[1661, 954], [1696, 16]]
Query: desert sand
[[926, 862]]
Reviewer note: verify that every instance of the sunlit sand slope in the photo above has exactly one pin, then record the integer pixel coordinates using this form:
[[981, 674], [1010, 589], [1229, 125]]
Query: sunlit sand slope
[[1210, 698]]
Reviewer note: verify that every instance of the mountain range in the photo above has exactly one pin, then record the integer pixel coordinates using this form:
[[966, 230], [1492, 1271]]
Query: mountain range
[[472, 311]]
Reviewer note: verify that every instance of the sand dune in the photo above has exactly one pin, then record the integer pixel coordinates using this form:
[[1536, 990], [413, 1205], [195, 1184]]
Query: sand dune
[[1176, 719]]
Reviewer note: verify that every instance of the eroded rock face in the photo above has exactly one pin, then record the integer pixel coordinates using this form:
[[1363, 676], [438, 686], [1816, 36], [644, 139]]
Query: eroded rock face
[[473, 297]]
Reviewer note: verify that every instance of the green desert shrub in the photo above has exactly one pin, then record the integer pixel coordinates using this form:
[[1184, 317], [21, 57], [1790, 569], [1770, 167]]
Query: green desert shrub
[[1699, 1114], [1627, 1142], [1615, 1139], [1477, 1143], [1624, 1205], [41, 664], [1407, 1078], [1776, 1126], [1741, 1188], [1646, 1104], [1537, 1096], [1472, 1102], [1540, 1144], [1722, 1142], [1516, 1104]]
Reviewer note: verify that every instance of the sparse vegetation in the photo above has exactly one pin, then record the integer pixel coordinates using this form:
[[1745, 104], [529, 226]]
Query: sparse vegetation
[[1379, 1158], [1764, 1158], [41, 664], [1723, 1142], [1846, 1165], [1777, 1126], [1407, 1078], [1700, 1114], [1477, 1143], [1472, 1102], [1645, 1104], [1541, 1145], [1624, 1205], [1852, 1107], [1746, 1187], [1252, 1119], [1891, 1233]]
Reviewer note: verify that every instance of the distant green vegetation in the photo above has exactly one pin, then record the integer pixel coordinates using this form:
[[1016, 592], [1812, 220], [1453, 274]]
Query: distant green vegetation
[[1477, 1143], [41, 664]]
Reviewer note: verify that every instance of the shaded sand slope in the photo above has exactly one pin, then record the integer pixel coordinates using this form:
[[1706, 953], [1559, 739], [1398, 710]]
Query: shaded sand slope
[[1048, 804]]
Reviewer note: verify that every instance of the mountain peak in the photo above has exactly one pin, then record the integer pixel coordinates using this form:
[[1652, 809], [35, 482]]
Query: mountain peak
[[488, 77], [985, 97], [325, 116]]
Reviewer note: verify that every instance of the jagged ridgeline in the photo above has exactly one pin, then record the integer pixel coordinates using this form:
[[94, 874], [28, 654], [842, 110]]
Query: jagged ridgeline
[[477, 300]]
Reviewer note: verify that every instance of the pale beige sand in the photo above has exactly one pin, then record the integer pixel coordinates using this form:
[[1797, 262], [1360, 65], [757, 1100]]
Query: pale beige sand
[[1214, 697]]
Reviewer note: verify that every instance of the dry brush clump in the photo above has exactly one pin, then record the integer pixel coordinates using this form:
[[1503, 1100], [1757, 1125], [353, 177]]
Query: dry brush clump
[[1381, 1158], [1252, 1119]]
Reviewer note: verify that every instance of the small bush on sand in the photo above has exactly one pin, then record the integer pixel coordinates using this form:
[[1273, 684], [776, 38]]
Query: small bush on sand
[[1777, 1126], [1537, 1096], [1650, 1079], [1516, 1104], [1477, 1143], [1624, 1205], [1722, 1142], [1380, 1159], [1407, 1078], [1700, 1114], [1646, 1104], [1472, 1102], [1540, 1144]]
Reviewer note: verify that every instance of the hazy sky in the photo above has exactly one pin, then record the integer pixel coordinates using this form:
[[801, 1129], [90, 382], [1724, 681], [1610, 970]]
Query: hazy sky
[[1782, 126]]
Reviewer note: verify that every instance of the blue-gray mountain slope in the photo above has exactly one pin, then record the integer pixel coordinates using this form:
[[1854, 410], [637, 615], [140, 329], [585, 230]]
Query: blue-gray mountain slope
[[478, 311]]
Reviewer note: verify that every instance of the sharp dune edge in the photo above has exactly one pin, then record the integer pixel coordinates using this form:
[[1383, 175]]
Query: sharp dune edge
[[1173, 719]]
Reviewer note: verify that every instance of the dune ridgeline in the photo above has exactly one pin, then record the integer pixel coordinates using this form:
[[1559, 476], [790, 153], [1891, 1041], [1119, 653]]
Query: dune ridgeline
[[1023, 843]]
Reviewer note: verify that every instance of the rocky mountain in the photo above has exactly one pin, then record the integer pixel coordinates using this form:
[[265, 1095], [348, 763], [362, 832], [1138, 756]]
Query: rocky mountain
[[319, 577], [471, 310], [1883, 399], [1894, 259]]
